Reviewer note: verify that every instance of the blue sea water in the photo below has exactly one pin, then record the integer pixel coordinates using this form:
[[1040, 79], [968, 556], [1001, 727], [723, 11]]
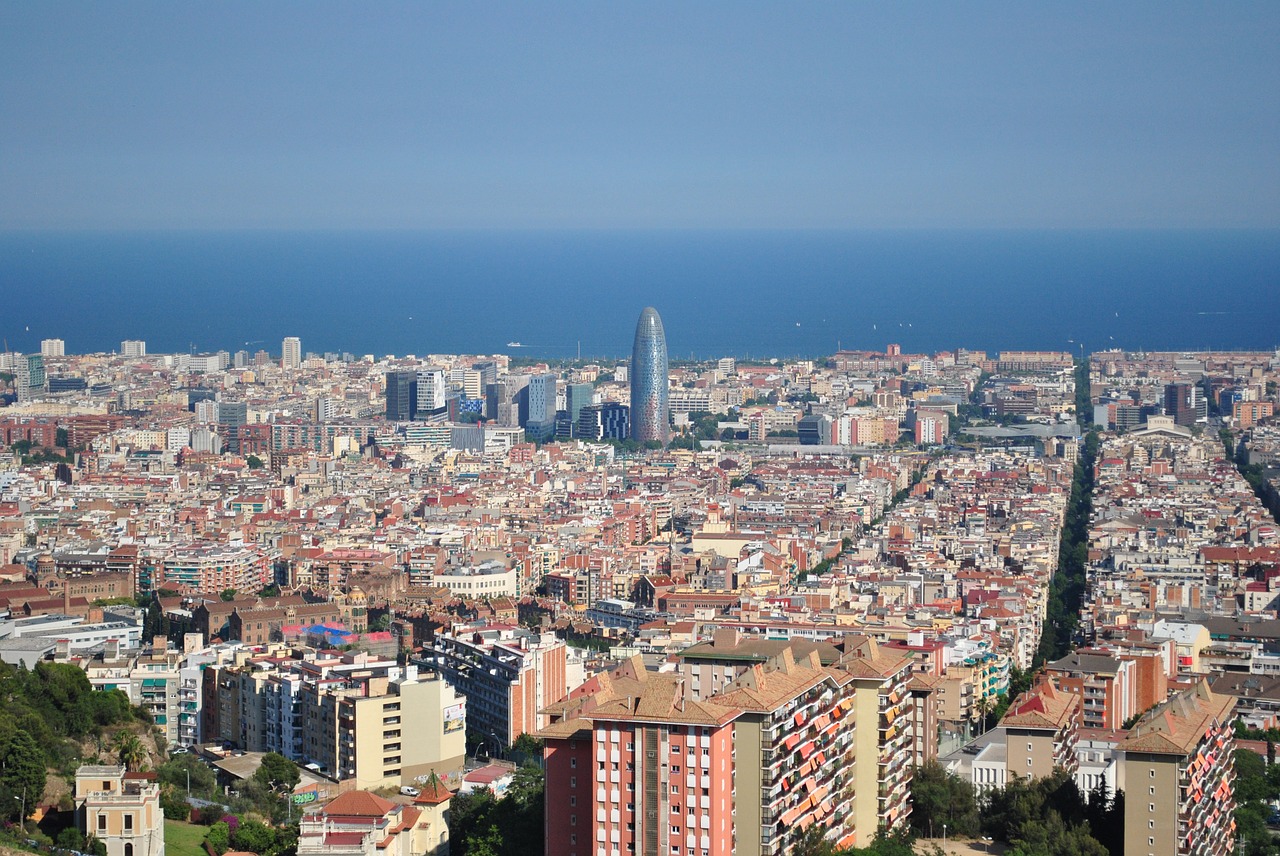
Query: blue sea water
[[746, 294]]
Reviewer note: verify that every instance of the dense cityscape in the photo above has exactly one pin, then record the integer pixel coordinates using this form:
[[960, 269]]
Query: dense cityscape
[[324, 603]]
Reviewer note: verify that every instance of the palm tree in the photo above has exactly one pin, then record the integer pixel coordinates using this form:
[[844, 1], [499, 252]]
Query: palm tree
[[132, 753], [984, 707]]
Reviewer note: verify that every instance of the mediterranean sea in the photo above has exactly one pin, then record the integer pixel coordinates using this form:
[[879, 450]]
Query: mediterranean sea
[[743, 294]]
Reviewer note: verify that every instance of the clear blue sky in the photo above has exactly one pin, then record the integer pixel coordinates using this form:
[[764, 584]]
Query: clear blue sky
[[619, 115]]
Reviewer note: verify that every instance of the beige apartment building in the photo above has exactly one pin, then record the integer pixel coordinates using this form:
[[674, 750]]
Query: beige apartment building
[[384, 731], [822, 725], [120, 809], [1042, 729], [1178, 778]]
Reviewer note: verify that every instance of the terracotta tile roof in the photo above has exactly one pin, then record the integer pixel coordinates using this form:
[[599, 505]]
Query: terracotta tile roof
[[629, 692], [1175, 727], [359, 804], [768, 686], [1042, 707], [433, 792]]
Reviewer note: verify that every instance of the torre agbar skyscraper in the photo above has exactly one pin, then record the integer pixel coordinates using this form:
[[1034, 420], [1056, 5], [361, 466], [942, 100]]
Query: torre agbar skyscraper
[[649, 408]]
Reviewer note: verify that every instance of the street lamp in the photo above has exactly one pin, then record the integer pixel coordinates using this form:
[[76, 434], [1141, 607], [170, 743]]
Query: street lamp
[[22, 821]]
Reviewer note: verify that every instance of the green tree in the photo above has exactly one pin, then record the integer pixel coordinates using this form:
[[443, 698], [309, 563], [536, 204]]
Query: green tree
[[528, 744], [219, 837], [184, 768], [254, 462], [228, 594], [278, 771], [488, 842], [939, 796], [22, 773], [71, 839], [253, 836], [470, 814]]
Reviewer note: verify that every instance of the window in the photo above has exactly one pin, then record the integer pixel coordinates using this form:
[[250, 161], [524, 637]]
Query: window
[[573, 763], [573, 799], [1151, 824], [128, 848], [128, 823], [102, 823], [573, 781]]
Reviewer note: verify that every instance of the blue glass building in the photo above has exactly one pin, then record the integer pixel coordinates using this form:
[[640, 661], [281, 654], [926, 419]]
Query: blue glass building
[[650, 412]]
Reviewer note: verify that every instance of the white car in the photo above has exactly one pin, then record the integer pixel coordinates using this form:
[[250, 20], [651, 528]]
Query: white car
[[408, 791]]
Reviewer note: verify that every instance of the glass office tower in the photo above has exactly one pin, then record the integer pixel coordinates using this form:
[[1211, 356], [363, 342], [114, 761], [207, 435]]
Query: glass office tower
[[649, 408]]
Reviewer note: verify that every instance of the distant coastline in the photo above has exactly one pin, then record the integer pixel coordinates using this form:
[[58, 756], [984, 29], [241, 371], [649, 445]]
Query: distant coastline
[[750, 294]]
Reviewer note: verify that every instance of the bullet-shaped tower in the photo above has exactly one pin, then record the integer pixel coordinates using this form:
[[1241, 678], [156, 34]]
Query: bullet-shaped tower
[[650, 411]]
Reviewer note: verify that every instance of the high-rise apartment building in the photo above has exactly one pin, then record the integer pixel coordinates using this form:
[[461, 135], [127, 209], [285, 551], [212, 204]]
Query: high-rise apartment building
[[30, 377], [431, 393], [508, 676], [650, 411], [635, 767], [540, 422], [133, 348], [576, 397], [231, 416], [507, 401], [608, 421], [360, 719], [400, 393], [1186, 403], [291, 353], [749, 743], [53, 348], [1179, 799], [839, 728], [326, 408]]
